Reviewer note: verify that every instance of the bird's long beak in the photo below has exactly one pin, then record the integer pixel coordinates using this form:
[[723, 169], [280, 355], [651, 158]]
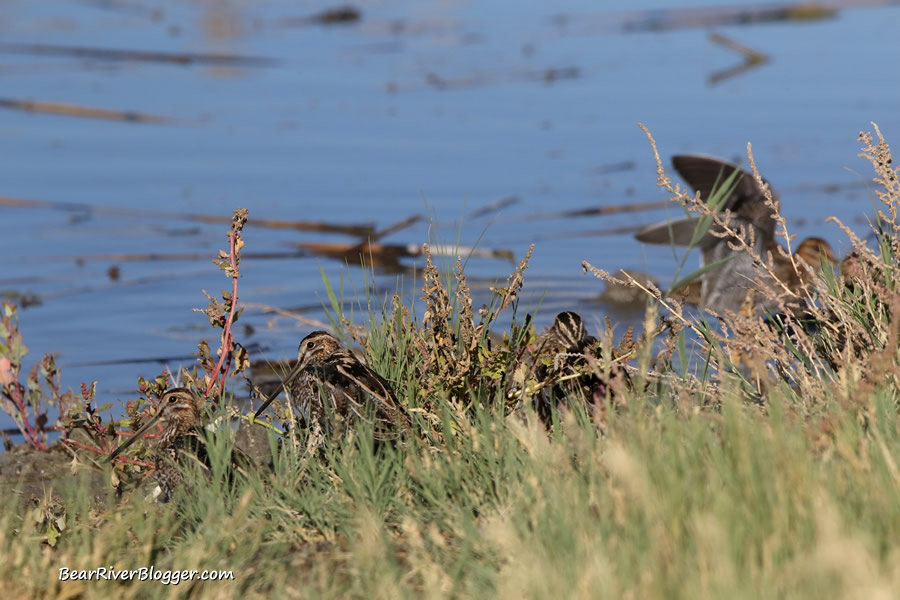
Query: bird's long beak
[[137, 434], [294, 372]]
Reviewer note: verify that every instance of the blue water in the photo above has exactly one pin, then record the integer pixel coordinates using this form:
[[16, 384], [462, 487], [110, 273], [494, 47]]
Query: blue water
[[345, 127]]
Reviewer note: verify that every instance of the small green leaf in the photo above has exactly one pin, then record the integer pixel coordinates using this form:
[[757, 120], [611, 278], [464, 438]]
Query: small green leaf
[[329, 290], [17, 350], [704, 269]]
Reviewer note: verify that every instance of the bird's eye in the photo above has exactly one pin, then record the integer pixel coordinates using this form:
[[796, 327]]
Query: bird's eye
[[172, 399], [310, 345]]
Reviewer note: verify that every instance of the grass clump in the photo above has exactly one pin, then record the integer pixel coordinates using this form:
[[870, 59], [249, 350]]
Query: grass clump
[[752, 462]]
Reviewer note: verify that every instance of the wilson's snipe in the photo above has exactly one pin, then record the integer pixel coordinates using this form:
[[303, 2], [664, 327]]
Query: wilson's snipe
[[567, 345], [182, 439], [723, 288], [329, 385]]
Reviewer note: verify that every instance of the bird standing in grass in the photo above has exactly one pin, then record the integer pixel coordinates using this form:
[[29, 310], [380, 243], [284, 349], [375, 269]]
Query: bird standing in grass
[[330, 386], [569, 375], [182, 439]]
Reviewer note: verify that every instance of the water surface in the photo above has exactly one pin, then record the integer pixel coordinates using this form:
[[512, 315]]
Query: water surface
[[430, 107]]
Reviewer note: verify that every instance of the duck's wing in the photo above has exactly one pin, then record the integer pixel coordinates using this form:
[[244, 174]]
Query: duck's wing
[[675, 233], [706, 173]]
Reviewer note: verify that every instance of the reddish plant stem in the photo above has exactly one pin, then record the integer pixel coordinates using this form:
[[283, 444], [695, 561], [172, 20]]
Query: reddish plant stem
[[85, 446], [25, 427], [227, 339], [121, 432]]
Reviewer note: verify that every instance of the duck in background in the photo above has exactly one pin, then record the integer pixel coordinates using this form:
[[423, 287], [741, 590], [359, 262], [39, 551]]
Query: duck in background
[[730, 286], [812, 252]]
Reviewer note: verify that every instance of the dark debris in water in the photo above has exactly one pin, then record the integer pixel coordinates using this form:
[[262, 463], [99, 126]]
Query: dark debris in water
[[590, 211], [117, 54], [355, 229], [77, 110], [752, 58], [340, 15], [126, 8], [716, 16], [494, 206], [619, 167], [22, 299], [387, 256], [267, 376], [548, 76]]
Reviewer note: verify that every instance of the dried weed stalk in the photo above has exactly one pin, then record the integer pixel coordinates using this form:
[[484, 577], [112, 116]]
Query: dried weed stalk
[[810, 328], [456, 356], [224, 315]]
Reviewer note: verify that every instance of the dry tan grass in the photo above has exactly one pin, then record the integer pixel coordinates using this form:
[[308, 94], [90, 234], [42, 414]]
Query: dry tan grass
[[839, 331]]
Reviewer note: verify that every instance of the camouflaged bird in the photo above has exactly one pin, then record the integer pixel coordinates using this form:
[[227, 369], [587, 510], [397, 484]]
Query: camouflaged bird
[[182, 440], [567, 345], [862, 274], [725, 287], [330, 387]]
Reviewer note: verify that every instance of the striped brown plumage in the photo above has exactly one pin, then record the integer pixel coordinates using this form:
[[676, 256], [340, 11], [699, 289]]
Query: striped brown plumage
[[567, 345], [330, 387], [182, 439]]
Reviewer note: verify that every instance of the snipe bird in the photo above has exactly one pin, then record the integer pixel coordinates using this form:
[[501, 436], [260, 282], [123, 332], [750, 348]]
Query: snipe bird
[[812, 252], [725, 287], [182, 439], [566, 344], [329, 386]]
